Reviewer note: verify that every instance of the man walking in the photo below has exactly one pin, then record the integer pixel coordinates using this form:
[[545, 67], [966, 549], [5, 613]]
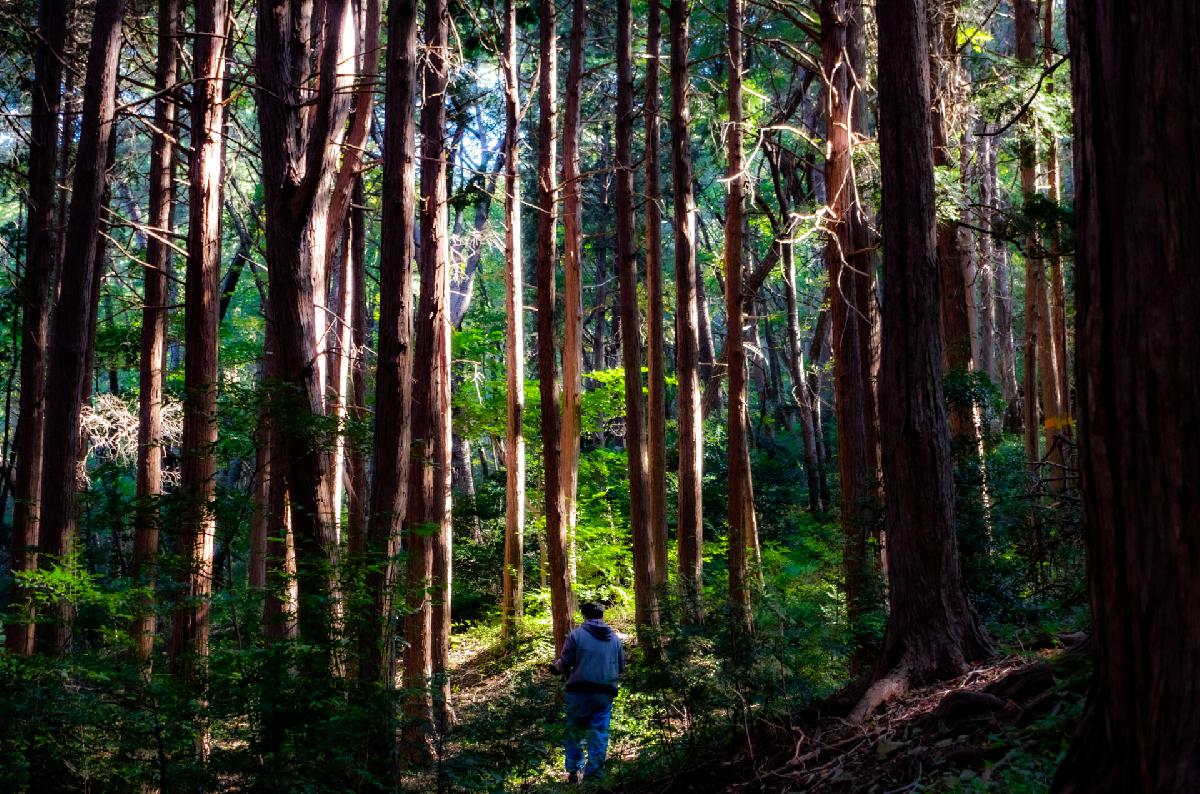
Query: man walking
[[592, 660]]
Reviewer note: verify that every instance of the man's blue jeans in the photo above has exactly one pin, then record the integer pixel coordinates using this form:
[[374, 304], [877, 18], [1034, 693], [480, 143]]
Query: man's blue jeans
[[588, 715]]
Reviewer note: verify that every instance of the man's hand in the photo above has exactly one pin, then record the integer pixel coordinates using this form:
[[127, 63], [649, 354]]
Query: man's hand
[[552, 667]]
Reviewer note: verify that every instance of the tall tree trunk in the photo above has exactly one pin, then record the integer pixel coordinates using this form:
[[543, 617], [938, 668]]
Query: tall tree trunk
[[655, 332], [287, 60], [556, 518], [389, 489], [645, 577], [971, 266], [74, 320], [41, 250], [600, 246], [260, 515], [572, 356], [818, 354], [1136, 92], [690, 530], [931, 632], [1039, 349], [340, 263], [741, 498], [1006, 354], [800, 391], [850, 311], [273, 562], [154, 326], [337, 372], [708, 353], [956, 326], [513, 576], [356, 459], [430, 472], [202, 291], [1059, 426], [988, 342]]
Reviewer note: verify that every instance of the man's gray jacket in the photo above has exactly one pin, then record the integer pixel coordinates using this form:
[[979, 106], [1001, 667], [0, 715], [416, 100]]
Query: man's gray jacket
[[592, 658]]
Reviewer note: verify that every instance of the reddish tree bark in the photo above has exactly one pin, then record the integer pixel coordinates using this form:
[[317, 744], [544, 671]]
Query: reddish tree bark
[[1040, 364], [645, 599], [988, 342], [1059, 426], [154, 324], [931, 632], [389, 488], [556, 539], [430, 466], [1005, 355], [41, 249], [1136, 91], [74, 317], [295, 50], [356, 458], [851, 308], [956, 327], [572, 355], [741, 497], [690, 529], [202, 294], [656, 404], [513, 575]]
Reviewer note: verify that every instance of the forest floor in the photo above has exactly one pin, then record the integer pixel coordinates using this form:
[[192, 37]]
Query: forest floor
[[1001, 727]]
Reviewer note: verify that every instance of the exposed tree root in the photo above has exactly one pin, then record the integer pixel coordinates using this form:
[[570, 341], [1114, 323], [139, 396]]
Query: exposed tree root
[[944, 733], [884, 690]]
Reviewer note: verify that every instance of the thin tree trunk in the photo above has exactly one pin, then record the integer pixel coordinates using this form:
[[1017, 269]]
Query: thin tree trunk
[[956, 326], [189, 635], [850, 313], [339, 262], [690, 530], [572, 355], [800, 391], [1025, 15], [337, 373], [988, 342], [1059, 426], [971, 267], [655, 332], [556, 540], [645, 577], [513, 576], [931, 632], [36, 299], [389, 489], [741, 498], [1139, 396], [74, 318], [278, 541], [260, 515], [600, 341], [818, 353], [708, 354], [432, 438], [1006, 367], [1040, 365], [771, 355], [357, 412]]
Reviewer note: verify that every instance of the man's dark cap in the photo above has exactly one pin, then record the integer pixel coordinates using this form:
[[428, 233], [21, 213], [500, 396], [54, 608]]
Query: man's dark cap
[[591, 610]]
